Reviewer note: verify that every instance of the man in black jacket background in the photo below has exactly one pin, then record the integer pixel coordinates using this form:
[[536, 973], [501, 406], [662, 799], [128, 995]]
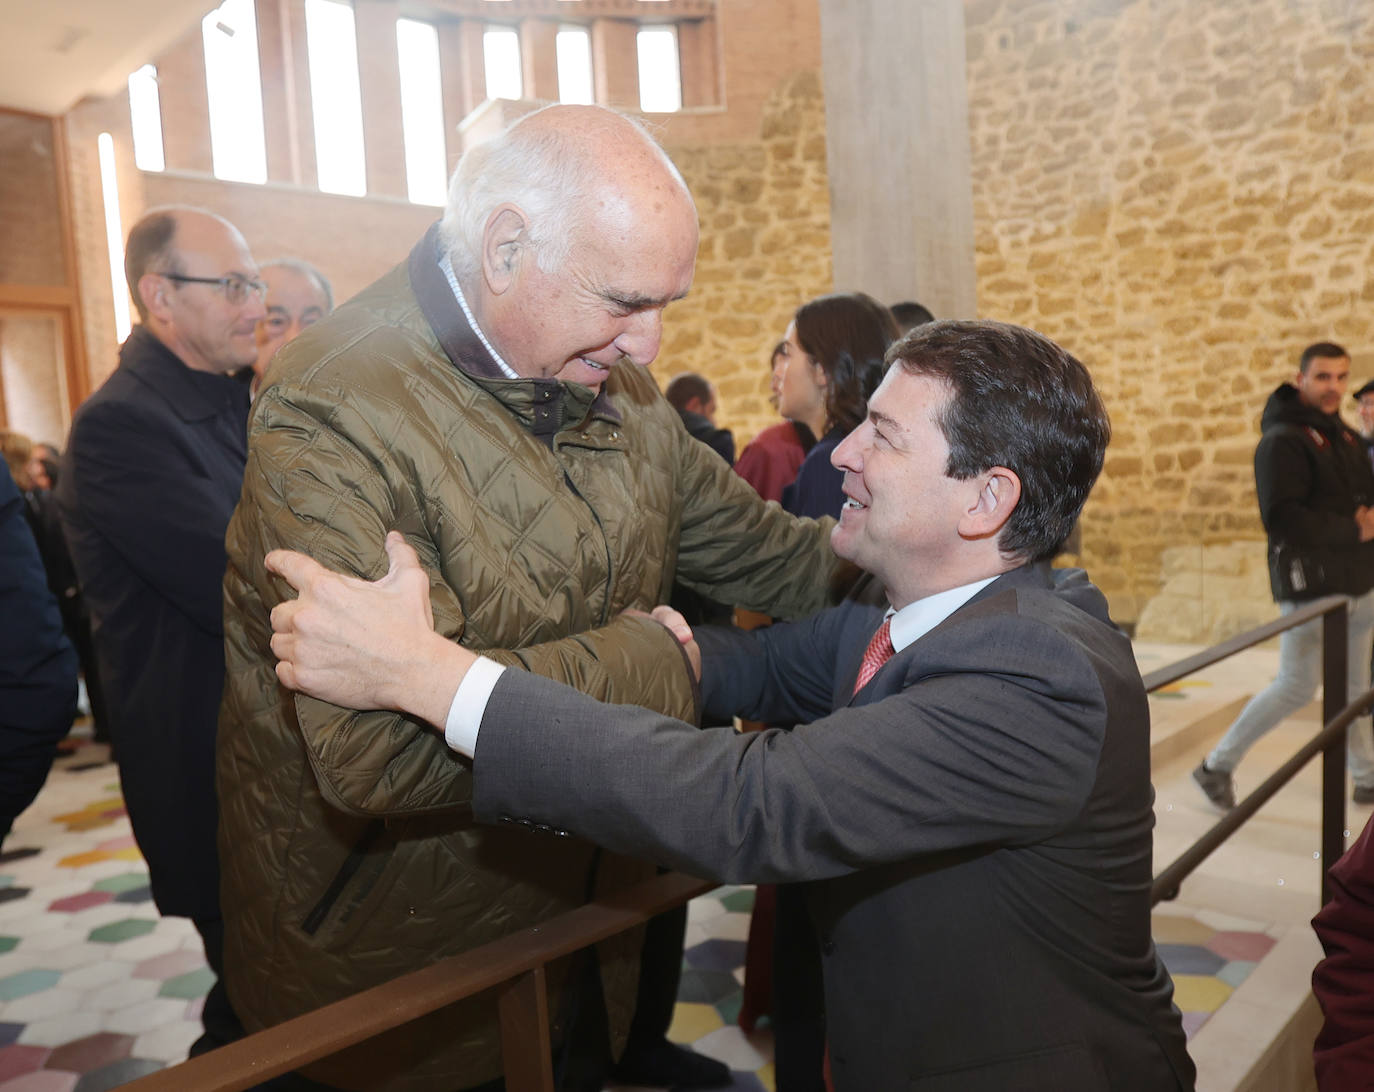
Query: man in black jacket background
[[1315, 487], [152, 473]]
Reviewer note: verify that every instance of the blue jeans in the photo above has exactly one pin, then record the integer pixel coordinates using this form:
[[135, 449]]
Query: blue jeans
[[1300, 671]]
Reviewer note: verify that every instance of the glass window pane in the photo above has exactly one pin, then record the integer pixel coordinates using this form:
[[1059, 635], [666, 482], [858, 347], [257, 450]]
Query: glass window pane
[[660, 85], [574, 65], [501, 54], [146, 110], [331, 41], [422, 112], [114, 234], [237, 147]]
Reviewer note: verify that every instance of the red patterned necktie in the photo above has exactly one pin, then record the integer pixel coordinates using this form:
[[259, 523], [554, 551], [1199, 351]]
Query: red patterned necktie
[[878, 652]]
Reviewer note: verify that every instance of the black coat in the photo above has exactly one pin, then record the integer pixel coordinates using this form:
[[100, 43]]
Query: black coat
[[37, 664], [719, 440], [975, 823], [151, 476], [1311, 472]]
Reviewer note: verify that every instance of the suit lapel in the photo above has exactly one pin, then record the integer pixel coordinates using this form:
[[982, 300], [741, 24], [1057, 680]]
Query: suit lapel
[[997, 598]]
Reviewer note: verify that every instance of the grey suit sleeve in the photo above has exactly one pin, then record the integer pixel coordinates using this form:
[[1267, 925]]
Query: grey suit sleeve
[[994, 740]]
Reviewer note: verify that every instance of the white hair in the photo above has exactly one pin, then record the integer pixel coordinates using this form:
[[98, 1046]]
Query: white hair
[[538, 168], [306, 270]]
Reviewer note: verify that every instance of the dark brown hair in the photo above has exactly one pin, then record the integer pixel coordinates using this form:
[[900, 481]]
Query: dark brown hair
[[150, 245], [1020, 401], [846, 333]]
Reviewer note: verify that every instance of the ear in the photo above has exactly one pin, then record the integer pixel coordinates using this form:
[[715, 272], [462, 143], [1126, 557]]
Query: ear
[[504, 243], [999, 492], [152, 290]]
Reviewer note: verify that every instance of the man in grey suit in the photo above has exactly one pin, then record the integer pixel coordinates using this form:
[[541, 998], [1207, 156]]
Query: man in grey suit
[[968, 795]]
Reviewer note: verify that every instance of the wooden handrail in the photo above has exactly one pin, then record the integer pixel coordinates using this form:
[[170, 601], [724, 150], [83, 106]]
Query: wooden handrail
[[518, 959]]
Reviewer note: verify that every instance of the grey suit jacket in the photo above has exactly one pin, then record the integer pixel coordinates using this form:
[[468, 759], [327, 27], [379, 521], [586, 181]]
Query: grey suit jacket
[[974, 826]]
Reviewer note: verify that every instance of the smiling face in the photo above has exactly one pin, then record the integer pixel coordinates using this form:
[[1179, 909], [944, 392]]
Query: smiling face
[[195, 320], [572, 236], [902, 512], [605, 302]]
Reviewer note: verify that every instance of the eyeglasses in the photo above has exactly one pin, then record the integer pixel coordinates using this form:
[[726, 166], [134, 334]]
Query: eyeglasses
[[236, 288]]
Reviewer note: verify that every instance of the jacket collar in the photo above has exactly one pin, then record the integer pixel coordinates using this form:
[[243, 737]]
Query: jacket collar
[[544, 406], [1069, 585], [192, 395]]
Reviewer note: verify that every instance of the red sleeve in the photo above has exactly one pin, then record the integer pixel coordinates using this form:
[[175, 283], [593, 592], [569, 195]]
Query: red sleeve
[[771, 460], [1344, 980]]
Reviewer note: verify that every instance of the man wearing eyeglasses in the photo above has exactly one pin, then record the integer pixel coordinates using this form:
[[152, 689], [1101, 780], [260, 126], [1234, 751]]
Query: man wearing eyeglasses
[[153, 471]]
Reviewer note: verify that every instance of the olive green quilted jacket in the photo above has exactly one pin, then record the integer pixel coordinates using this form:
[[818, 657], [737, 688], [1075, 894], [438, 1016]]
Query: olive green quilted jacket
[[348, 849]]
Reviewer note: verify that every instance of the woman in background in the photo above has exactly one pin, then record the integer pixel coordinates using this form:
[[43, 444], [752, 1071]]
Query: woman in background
[[833, 361]]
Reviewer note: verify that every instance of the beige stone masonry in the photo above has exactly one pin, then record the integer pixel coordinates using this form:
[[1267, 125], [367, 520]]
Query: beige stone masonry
[[1183, 195]]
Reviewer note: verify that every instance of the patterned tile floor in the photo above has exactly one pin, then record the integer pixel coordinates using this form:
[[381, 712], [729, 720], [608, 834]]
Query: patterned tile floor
[[96, 989]]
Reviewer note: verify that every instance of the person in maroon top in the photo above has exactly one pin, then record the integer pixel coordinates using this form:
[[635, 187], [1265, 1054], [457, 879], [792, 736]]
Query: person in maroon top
[[771, 460], [1343, 981]]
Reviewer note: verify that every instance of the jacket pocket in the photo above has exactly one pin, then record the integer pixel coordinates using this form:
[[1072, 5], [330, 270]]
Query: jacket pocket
[[347, 900], [1067, 1068]]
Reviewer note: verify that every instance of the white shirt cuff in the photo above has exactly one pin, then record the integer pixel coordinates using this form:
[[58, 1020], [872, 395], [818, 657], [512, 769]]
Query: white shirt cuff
[[469, 703]]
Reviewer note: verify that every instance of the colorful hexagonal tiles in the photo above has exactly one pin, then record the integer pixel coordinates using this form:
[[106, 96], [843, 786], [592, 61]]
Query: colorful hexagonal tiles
[[97, 989]]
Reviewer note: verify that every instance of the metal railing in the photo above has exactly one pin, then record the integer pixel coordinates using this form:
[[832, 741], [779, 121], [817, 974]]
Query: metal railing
[[1337, 717], [513, 967]]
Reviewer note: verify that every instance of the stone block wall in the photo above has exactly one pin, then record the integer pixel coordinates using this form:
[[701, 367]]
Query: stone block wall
[[1183, 195], [1207, 593], [765, 250]]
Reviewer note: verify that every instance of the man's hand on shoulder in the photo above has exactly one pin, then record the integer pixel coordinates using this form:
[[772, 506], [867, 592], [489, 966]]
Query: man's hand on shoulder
[[365, 645]]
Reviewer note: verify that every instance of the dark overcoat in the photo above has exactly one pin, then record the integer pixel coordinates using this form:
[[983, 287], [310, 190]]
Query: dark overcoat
[[151, 476]]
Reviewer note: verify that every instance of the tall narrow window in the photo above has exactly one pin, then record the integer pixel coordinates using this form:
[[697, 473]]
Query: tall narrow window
[[422, 112], [660, 82], [114, 234], [237, 148], [146, 112], [501, 54], [574, 65], [331, 42]]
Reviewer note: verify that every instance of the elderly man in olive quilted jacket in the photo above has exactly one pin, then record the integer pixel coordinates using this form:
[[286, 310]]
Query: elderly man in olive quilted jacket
[[489, 399]]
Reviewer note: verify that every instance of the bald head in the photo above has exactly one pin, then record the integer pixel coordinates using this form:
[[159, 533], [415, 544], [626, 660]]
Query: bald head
[[569, 233], [560, 166], [196, 287]]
